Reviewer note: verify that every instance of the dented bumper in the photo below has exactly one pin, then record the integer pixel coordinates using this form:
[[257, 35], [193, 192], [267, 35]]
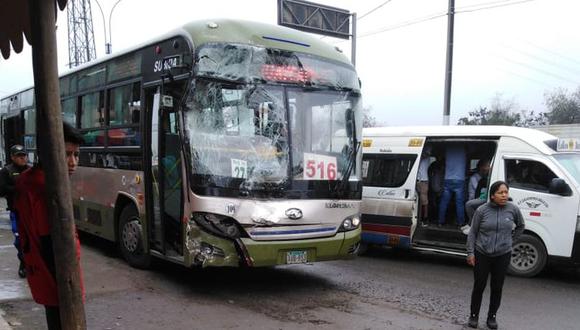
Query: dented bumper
[[208, 250]]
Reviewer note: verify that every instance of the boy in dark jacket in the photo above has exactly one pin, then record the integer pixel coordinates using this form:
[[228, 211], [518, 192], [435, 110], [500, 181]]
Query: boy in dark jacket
[[34, 228]]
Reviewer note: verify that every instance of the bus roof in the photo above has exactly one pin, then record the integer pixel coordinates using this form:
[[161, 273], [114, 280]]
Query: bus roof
[[261, 34], [534, 137], [232, 31], [237, 31]]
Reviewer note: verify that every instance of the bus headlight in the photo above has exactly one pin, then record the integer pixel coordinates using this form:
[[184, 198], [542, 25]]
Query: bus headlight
[[350, 223], [217, 224]]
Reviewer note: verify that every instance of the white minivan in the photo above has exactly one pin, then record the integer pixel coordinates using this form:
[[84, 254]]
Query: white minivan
[[543, 174]]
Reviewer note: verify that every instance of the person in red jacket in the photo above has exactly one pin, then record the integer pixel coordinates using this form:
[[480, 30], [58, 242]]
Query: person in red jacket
[[34, 229]]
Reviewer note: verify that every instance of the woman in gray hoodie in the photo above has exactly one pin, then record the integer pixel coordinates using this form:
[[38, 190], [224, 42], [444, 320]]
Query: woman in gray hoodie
[[495, 225]]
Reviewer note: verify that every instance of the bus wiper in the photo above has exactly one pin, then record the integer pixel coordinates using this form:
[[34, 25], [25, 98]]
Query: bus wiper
[[341, 187], [354, 150]]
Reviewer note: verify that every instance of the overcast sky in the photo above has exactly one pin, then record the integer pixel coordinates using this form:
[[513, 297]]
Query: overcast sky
[[520, 51]]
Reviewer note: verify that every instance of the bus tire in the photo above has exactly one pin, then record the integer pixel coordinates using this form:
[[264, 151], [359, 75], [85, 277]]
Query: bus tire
[[529, 257], [131, 238]]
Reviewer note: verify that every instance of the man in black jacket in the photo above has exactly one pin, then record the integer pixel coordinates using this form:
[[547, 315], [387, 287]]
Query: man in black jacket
[[8, 175]]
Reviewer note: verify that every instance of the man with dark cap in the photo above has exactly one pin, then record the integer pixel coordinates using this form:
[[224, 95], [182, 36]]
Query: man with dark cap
[[8, 175]]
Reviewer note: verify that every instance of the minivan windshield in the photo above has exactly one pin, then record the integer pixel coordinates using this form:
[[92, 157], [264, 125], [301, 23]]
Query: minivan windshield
[[571, 162]]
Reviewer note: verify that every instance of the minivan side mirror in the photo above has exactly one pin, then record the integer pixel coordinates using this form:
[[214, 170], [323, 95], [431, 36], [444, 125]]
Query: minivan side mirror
[[559, 187]]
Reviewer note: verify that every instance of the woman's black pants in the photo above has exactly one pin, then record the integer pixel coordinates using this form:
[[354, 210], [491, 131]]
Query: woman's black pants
[[485, 265]]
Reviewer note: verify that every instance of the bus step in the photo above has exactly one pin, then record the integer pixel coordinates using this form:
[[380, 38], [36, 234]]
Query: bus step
[[452, 247], [443, 234]]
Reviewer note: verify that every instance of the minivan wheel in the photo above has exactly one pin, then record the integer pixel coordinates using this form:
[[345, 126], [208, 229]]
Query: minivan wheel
[[131, 238], [529, 257]]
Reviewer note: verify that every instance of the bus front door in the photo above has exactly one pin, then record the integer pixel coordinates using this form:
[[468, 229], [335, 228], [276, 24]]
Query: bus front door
[[166, 184]]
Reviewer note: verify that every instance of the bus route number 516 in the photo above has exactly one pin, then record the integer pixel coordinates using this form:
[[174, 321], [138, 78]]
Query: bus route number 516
[[319, 167]]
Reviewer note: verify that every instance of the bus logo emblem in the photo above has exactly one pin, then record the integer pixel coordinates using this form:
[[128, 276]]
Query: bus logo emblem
[[294, 213]]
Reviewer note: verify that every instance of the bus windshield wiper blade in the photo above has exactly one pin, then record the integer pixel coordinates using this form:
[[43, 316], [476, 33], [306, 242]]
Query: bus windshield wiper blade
[[341, 187]]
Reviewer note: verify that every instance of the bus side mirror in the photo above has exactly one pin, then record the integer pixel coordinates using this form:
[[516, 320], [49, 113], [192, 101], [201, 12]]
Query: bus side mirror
[[559, 187]]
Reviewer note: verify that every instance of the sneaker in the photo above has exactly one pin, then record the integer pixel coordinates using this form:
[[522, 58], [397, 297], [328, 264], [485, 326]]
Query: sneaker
[[491, 322], [473, 319], [439, 225], [21, 270], [465, 229], [424, 224]]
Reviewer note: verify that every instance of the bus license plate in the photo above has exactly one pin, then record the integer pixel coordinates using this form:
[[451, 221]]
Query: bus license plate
[[296, 257]]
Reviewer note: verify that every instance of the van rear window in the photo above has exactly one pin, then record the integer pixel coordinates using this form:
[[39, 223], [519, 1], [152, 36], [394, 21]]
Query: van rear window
[[392, 170]]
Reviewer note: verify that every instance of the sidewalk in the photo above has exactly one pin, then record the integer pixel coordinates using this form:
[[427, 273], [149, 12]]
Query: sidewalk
[[5, 244], [3, 324]]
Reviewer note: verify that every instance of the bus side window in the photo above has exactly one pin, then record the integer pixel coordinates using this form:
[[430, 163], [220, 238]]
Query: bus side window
[[92, 114]]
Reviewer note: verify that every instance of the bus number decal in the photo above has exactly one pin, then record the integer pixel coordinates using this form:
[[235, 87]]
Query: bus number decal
[[166, 63], [239, 169], [319, 167]]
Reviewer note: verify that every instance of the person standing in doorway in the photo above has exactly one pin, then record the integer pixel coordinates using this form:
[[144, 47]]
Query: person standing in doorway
[[489, 248], [454, 183], [476, 191], [8, 175], [34, 228], [423, 184]]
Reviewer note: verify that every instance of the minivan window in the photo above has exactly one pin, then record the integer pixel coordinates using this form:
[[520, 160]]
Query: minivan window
[[392, 170], [571, 162], [528, 174]]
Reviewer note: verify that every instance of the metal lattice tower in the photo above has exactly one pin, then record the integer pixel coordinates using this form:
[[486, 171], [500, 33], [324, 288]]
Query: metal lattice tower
[[81, 39]]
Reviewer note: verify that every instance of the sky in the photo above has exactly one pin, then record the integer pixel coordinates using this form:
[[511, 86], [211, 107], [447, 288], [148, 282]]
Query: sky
[[519, 50]]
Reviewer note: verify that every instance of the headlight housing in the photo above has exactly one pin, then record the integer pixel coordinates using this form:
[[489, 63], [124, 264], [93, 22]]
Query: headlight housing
[[350, 223], [218, 225]]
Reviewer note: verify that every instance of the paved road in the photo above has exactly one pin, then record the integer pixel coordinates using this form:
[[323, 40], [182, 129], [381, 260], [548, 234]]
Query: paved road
[[383, 290]]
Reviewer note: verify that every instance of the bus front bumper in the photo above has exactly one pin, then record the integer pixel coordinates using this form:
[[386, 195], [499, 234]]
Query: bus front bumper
[[247, 252]]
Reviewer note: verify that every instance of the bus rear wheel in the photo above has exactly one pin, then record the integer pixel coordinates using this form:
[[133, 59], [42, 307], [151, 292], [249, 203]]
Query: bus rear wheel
[[529, 257], [131, 238]]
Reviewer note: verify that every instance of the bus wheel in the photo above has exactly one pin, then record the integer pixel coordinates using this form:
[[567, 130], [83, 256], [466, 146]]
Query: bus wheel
[[131, 238], [529, 257]]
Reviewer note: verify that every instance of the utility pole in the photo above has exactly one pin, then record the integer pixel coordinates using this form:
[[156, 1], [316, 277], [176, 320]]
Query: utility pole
[[81, 39], [449, 63], [353, 41], [52, 152]]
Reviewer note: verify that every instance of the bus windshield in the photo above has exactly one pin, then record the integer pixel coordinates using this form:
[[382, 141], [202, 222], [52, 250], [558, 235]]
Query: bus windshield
[[256, 137], [571, 162]]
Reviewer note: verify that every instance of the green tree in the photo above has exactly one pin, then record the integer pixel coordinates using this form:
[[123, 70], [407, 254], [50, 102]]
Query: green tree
[[563, 106], [503, 112]]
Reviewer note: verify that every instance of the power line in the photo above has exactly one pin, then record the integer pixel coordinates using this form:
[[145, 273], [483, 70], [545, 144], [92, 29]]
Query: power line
[[511, 3], [373, 10], [404, 24], [556, 65], [550, 51], [368, 13], [513, 73], [531, 67], [490, 5], [484, 4]]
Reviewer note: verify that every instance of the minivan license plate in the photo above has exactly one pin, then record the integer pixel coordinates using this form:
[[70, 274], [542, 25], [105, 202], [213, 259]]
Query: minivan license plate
[[296, 257]]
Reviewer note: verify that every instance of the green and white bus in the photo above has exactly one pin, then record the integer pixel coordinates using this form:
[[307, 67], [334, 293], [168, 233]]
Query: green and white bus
[[222, 143]]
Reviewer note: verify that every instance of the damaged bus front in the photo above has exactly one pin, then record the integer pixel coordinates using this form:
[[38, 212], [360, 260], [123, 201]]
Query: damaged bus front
[[272, 138]]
